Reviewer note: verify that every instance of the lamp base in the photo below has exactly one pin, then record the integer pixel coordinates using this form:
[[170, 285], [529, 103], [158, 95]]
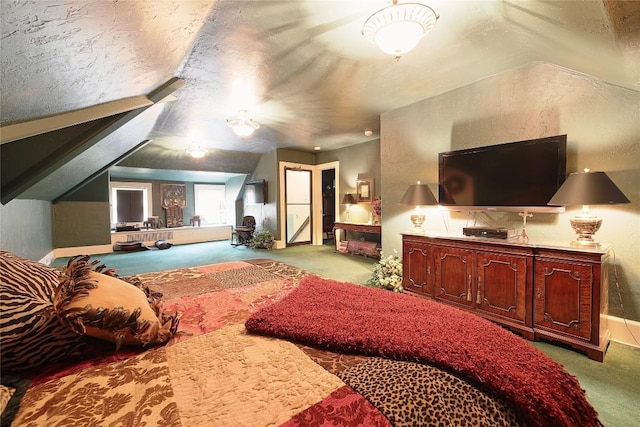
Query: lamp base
[[586, 244], [585, 227], [418, 220]]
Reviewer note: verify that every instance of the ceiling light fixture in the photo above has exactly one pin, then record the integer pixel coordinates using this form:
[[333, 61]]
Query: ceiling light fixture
[[243, 126], [197, 152], [398, 28]]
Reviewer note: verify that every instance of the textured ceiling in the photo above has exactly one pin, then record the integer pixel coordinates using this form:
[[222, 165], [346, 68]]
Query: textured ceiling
[[301, 68]]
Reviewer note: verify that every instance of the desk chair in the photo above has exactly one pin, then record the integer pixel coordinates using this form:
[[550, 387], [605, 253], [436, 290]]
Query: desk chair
[[243, 234]]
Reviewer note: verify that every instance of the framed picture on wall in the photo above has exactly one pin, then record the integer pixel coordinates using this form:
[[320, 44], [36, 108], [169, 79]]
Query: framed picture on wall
[[364, 189], [173, 195]]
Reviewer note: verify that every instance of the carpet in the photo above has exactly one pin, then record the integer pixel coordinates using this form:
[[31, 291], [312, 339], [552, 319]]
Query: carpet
[[349, 318]]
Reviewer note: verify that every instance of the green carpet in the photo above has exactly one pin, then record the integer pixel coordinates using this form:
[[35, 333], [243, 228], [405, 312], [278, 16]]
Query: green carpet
[[613, 387]]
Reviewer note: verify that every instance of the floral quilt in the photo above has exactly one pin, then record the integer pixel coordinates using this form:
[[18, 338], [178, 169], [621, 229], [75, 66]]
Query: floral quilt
[[215, 373]]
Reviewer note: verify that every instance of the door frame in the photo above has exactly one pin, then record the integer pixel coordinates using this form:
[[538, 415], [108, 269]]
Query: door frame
[[307, 191], [316, 199]]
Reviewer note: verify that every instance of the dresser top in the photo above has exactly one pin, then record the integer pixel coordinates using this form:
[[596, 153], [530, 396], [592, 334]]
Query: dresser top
[[516, 242]]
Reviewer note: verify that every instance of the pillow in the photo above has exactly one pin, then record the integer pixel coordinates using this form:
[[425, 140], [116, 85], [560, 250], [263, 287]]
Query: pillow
[[5, 396], [96, 303], [163, 244], [130, 246], [30, 333], [12, 390]]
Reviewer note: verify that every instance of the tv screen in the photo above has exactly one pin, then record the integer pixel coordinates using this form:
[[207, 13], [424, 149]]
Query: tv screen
[[256, 192], [511, 176]]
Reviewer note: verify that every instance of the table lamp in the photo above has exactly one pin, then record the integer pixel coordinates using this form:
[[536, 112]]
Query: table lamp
[[587, 188], [418, 195], [348, 200]]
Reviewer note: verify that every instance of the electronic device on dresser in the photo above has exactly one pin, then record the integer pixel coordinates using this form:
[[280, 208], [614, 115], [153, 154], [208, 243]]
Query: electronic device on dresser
[[515, 176], [494, 233]]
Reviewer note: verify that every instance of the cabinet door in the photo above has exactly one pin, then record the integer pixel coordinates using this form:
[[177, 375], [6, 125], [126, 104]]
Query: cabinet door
[[415, 268], [563, 297], [453, 274], [501, 285]]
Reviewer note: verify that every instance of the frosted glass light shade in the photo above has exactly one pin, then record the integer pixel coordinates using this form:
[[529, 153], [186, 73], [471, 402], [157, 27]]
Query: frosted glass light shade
[[197, 152], [398, 38], [398, 28], [243, 126]]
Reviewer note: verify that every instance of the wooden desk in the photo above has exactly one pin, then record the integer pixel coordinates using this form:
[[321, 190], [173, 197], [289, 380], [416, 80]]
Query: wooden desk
[[361, 228]]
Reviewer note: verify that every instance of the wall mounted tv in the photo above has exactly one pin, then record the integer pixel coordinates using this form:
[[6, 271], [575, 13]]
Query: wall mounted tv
[[506, 177], [256, 192]]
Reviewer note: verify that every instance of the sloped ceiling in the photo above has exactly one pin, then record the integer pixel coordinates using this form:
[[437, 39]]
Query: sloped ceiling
[[301, 68]]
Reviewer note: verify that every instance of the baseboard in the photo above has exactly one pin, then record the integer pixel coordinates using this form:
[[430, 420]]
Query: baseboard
[[624, 331], [82, 250], [48, 258], [73, 251]]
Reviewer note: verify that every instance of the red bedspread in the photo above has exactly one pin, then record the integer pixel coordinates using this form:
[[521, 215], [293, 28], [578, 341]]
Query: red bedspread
[[350, 318]]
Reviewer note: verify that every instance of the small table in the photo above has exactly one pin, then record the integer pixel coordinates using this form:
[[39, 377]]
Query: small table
[[153, 221]]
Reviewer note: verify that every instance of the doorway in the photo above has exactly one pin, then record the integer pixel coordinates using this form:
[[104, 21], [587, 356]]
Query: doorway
[[328, 203], [298, 206], [316, 204]]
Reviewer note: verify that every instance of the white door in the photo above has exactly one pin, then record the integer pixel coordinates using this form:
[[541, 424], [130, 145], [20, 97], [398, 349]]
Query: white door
[[298, 206]]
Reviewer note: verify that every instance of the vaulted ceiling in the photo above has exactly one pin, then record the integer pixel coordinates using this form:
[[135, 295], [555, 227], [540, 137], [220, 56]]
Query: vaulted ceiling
[[88, 86]]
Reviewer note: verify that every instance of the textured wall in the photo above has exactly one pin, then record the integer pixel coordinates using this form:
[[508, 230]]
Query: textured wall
[[356, 161], [96, 190], [266, 214], [602, 123], [81, 224], [25, 228]]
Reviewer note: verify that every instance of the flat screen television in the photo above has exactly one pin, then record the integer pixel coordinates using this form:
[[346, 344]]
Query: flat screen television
[[506, 177], [256, 192]]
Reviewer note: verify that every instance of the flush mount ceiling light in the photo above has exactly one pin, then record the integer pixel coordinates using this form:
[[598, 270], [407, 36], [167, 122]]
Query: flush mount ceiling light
[[243, 126], [197, 152], [398, 28]]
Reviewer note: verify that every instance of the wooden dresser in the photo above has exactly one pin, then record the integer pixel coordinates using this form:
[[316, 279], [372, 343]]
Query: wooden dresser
[[557, 293]]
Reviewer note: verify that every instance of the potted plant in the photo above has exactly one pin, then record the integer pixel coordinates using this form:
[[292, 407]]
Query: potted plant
[[376, 209], [387, 273], [262, 240]]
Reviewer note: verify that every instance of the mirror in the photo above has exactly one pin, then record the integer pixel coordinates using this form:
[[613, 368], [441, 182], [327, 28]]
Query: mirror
[[364, 189]]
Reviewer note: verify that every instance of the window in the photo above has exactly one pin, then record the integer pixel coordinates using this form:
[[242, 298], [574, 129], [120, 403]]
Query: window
[[210, 203], [130, 202]]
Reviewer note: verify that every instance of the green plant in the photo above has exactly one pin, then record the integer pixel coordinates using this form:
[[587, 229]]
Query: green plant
[[262, 240], [387, 273]]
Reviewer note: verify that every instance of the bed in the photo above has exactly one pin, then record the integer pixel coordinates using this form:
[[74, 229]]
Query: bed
[[263, 343]]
